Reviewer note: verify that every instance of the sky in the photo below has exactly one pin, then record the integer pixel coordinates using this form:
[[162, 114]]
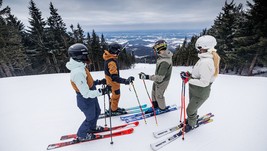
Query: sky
[[36, 110], [123, 15]]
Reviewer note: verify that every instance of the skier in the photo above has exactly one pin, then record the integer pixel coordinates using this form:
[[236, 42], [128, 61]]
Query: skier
[[203, 75], [113, 78], [84, 86], [162, 74]]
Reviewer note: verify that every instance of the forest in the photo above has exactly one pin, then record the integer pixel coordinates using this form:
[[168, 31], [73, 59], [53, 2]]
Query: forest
[[42, 47], [241, 39]]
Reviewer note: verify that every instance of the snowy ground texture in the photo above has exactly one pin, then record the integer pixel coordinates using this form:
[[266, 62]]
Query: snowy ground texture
[[36, 110]]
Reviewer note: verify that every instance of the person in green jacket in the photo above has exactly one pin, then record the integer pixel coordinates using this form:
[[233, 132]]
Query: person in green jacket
[[162, 74]]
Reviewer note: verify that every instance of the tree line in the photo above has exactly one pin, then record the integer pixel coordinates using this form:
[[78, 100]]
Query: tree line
[[42, 48], [241, 39]]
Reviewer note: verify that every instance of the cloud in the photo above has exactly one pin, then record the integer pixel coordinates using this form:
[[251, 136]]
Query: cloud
[[116, 14]]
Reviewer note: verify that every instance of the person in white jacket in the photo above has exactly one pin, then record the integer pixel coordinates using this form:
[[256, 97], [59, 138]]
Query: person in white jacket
[[203, 75], [86, 92]]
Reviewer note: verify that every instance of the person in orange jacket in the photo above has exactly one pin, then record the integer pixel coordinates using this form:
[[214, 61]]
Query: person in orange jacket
[[113, 78]]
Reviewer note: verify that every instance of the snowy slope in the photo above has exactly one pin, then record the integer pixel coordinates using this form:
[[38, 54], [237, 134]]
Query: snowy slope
[[36, 110]]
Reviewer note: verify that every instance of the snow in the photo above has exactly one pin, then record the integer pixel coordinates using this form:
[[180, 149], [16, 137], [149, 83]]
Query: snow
[[36, 110]]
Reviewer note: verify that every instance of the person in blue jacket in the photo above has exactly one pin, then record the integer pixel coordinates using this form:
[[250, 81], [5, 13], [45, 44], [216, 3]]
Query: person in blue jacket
[[85, 88]]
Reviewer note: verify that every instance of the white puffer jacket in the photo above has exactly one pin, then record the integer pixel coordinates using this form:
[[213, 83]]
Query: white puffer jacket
[[203, 71], [78, 76]]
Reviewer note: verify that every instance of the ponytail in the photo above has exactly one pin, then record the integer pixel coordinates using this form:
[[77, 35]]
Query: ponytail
[[216, 60]]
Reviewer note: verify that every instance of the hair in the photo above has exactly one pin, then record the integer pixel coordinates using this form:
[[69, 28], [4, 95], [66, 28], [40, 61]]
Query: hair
[[216, 60]]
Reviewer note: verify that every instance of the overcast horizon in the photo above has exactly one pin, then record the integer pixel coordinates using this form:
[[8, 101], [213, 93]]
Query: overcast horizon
[[126, 15]]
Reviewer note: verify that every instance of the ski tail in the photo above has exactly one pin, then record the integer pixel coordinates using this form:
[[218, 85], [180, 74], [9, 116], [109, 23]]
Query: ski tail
[[127, 125]]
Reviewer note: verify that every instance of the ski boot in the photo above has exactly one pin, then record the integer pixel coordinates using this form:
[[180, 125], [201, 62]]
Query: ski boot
[[119, 111], [89, 136]]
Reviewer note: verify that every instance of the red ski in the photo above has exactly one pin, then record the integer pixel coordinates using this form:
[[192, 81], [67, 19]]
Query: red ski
[[127, 125], [98, 136]]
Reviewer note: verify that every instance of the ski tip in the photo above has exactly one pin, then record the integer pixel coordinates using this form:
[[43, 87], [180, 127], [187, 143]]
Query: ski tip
[[210, 114], [50, 147], [210, 120], [155, 135], [136, 123], [153, 147], [129, 131]]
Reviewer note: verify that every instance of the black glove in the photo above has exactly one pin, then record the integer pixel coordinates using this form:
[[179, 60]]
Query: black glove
[[103, 81], [129, 80], [105, 90], [185, 76], [143, 76]]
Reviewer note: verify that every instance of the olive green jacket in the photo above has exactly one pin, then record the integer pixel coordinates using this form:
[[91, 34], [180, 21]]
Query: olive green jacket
[[163, 68]]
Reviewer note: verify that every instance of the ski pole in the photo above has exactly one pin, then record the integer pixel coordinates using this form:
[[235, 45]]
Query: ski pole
[[184, 108], [103, 86], [181, 112], [139, 102], [111, 139], [151, 102]]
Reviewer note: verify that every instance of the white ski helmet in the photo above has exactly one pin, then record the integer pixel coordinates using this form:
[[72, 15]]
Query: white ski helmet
[[206, 42]]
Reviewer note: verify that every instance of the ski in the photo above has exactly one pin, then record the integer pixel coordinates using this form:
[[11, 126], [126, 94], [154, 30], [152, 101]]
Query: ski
[[138, 116], [164, 132], [131, 110], [147, 111], [101, 116], [156, 146], [127, 125], [136, 107], [98, 136]]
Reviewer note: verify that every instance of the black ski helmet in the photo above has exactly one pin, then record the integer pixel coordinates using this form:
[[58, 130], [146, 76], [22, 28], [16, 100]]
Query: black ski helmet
[[78, 52], [114, 48], [160, 45]]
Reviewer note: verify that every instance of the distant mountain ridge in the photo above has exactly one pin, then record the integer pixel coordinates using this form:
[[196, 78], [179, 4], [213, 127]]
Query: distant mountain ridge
[[141, 41]]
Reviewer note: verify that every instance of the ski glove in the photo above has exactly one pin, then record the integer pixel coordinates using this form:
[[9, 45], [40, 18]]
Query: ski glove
[[143, 76], [103, 81], [105, 90], [129, 80], [185, 76]]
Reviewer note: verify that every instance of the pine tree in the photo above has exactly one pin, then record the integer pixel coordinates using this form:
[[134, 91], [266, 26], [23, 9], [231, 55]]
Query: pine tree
[[257, 19], [224, 31], [13, 60], [97, 52], [125, 59], [4, 69], [57, 38], [240, 42], [80, 34], [18, 57], [38, 49]]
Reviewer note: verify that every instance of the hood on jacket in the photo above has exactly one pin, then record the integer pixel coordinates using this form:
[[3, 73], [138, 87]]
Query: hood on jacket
[[166, 54], [108, 55], [72, 64]]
